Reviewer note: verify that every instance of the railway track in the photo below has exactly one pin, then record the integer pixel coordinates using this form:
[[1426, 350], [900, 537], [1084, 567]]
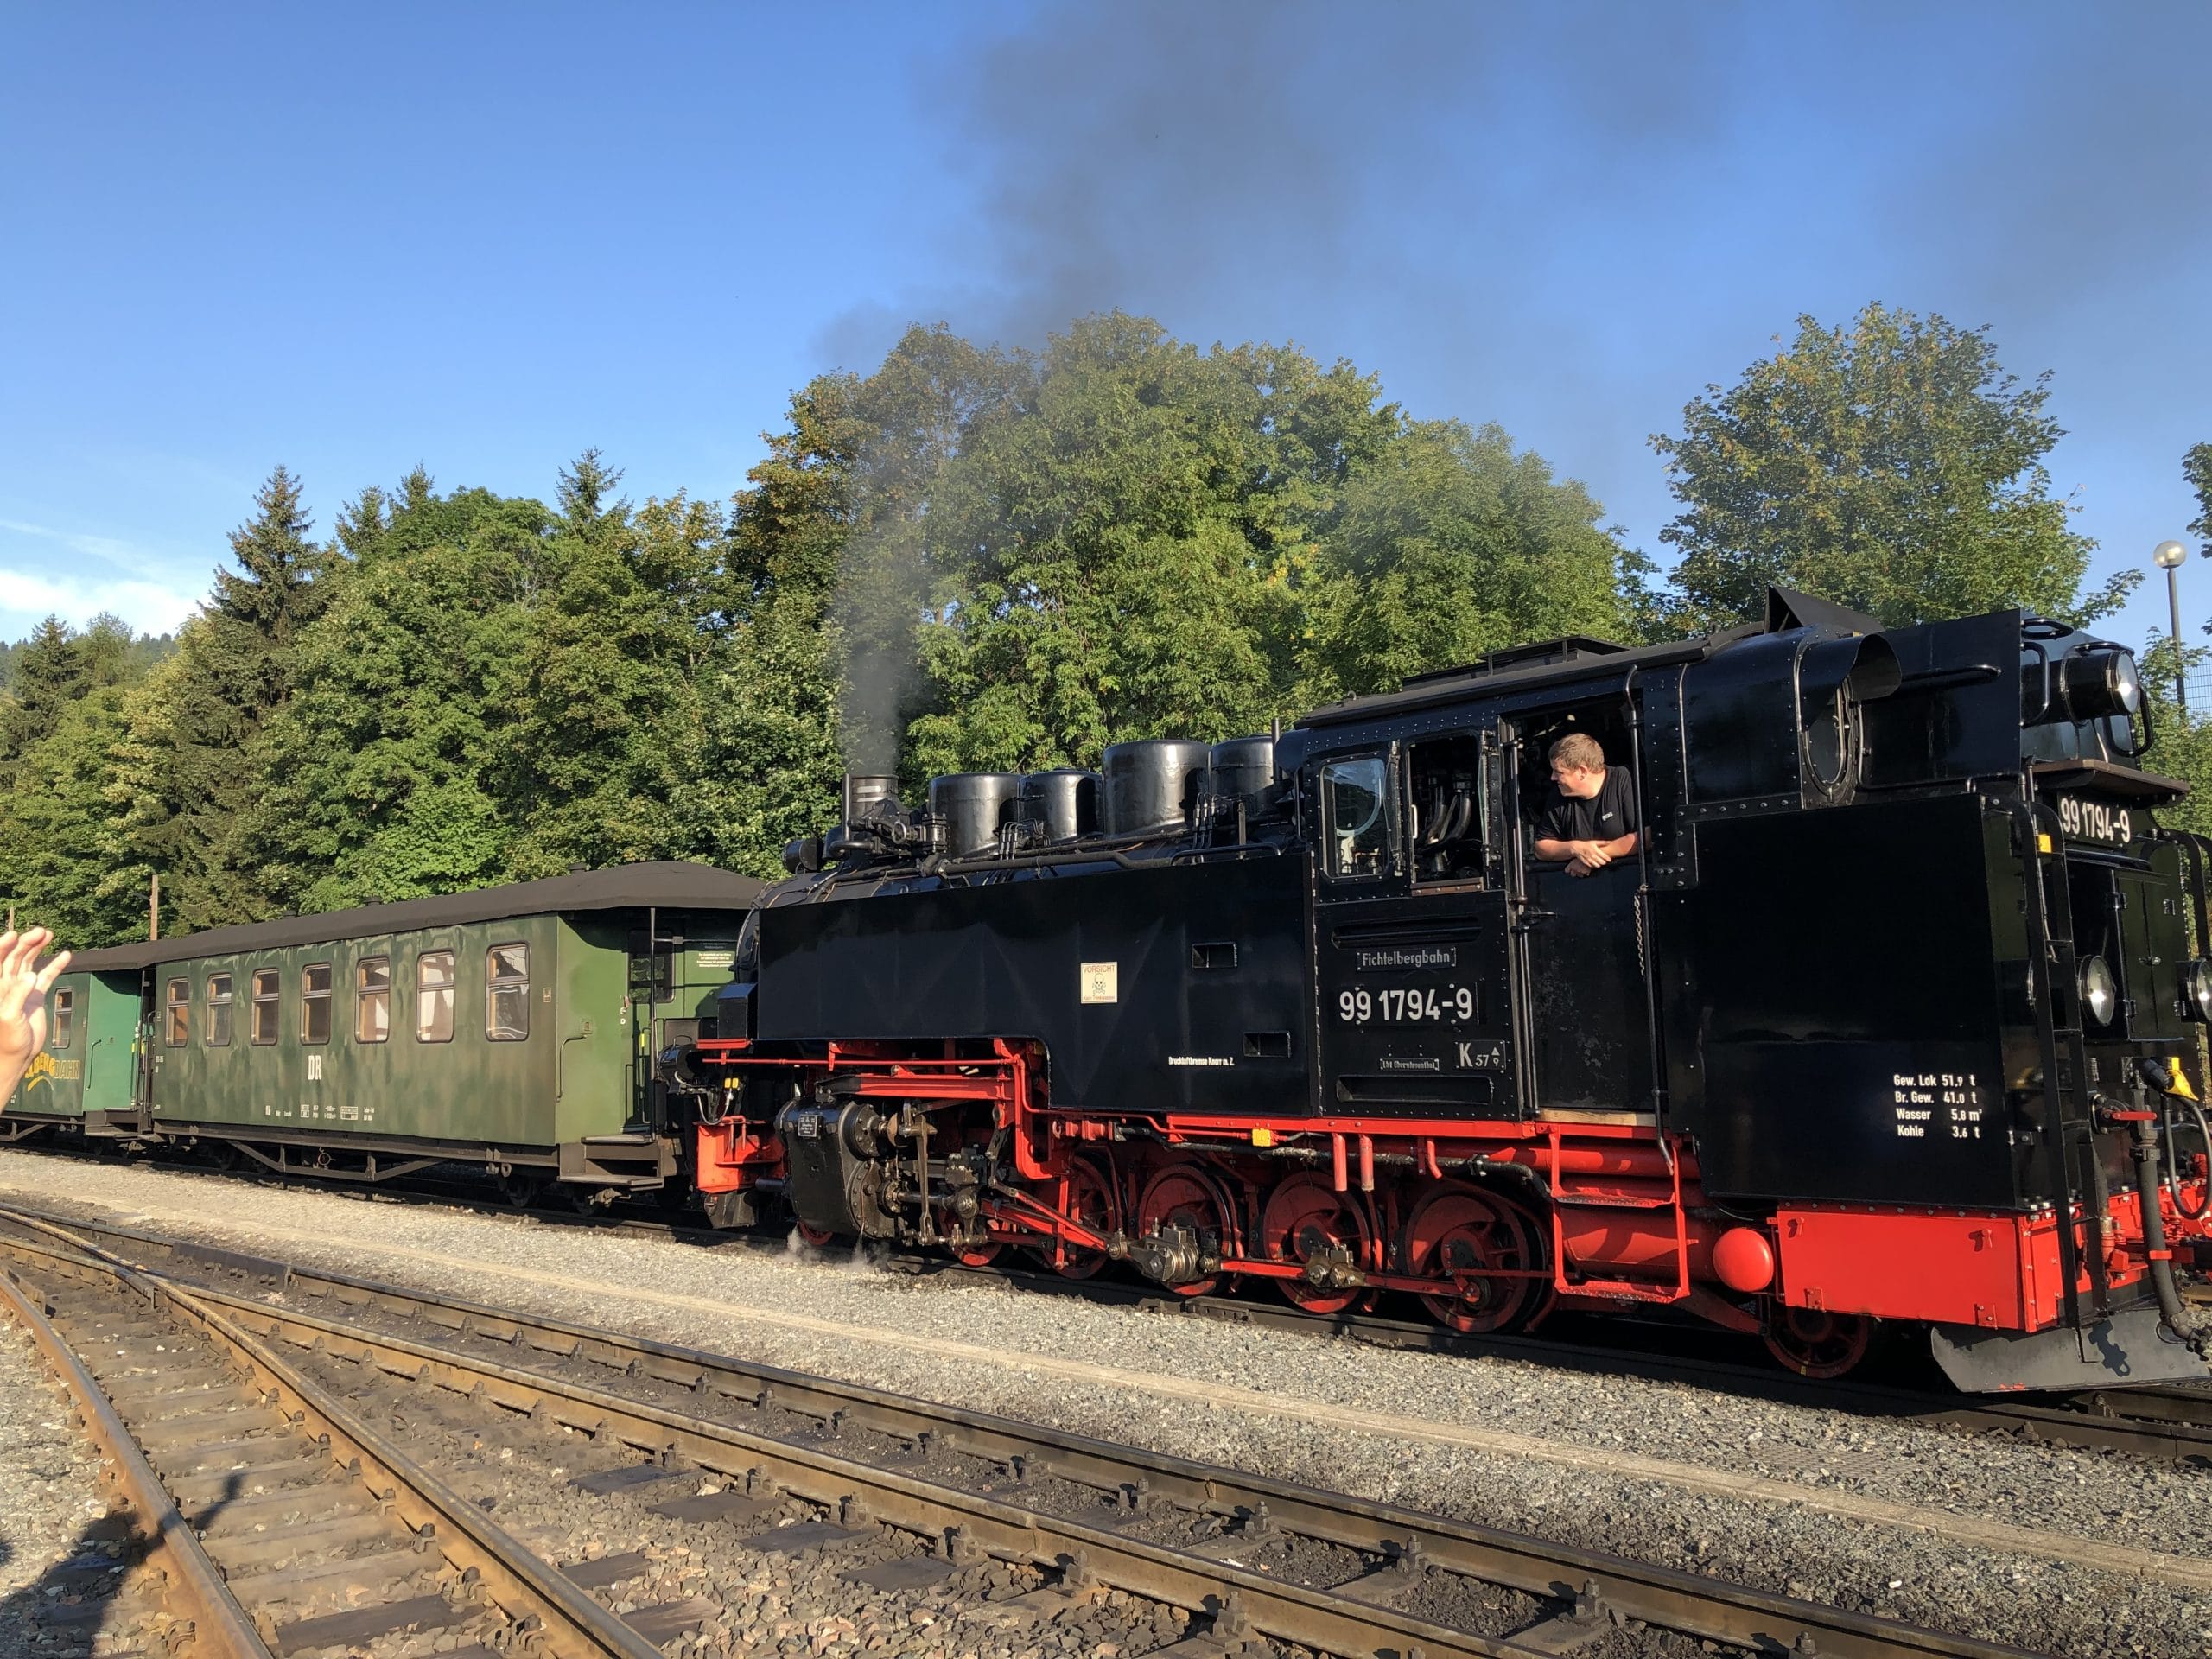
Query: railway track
[[2170, 1423], [1023, 1526]]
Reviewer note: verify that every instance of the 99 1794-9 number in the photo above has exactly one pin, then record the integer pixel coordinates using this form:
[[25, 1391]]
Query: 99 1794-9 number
[[1408, 1005]]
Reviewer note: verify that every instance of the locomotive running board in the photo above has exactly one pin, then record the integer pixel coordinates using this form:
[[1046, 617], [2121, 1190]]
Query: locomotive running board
[[2130, 1347]]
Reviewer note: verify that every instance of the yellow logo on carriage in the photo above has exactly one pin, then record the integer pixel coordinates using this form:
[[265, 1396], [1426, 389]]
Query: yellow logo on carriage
[[43, 1070]]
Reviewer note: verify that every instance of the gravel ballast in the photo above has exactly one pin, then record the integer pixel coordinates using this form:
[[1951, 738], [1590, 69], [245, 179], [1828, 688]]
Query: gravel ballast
[[1079, 1365], [57, 1545]]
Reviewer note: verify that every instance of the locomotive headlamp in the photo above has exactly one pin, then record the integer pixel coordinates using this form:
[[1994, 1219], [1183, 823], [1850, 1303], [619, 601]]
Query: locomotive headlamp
[[2099, 990], [2196, 988], [2095, 684]]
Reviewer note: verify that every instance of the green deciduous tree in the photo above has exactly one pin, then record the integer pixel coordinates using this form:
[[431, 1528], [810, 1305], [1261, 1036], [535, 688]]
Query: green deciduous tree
[[1117, 549], [62, 857], [1890, 464], [1450, 545], [2197, 469]]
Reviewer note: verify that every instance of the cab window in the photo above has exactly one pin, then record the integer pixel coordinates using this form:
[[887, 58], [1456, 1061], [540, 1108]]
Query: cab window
[[315, 1003], [434, 997], [179, 999], [1451, 812], [61, 1007], [507, 993], [219, 1000], [372, 999], [266, 1008], [1356, 815]]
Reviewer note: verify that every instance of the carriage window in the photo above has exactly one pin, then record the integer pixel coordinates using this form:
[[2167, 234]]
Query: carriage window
[[434, 997], [63, 1006], [372, 999], [1449, 809], [315, 1003], [264, 1007], [1355, 800], [219, 1010], [180, 1006], [507, 993]]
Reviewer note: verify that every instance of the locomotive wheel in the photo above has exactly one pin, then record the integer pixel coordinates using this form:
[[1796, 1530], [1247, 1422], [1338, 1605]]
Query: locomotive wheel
[[1817, 1344], [1463, 1234], [1184, 1195], [1090, 1201], [821, 1237], [1306, 1217], [968, 1255]]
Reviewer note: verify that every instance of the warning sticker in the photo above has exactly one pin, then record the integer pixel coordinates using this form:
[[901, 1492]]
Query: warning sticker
[[1102, 981]]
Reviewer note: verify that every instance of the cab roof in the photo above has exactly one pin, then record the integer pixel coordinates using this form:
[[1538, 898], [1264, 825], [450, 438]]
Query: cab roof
[[1579, 657]]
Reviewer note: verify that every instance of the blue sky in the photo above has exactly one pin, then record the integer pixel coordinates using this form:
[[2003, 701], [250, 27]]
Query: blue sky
[[484, 238]]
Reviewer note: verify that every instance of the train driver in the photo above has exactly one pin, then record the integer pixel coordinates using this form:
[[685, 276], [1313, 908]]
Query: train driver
[[1591, 818]]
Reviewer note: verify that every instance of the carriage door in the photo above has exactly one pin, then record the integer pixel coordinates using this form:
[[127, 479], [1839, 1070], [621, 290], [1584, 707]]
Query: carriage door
[[1414, 1006], [1580, 943], [653, 986]]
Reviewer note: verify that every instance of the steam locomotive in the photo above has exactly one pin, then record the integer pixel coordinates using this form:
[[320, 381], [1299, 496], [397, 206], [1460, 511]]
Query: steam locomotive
[[1894, 1014]]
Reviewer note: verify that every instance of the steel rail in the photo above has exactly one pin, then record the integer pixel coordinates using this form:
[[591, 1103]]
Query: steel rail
[[573, 1625], [1688, 1603], [216, 1627]]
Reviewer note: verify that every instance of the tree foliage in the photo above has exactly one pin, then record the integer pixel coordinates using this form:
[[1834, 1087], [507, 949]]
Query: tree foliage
[[2197, 469], [1890, 464], [970, 557]]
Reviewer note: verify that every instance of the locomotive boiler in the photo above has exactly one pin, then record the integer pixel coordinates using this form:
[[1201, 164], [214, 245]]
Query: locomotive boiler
[[1893, 1014]]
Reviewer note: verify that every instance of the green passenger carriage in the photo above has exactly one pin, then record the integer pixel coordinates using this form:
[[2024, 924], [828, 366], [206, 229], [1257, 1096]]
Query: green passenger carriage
[[84, 1079], [515, 1028]]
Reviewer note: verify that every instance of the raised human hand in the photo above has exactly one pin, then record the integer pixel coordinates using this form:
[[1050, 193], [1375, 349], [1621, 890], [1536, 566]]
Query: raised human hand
[[23, 986]]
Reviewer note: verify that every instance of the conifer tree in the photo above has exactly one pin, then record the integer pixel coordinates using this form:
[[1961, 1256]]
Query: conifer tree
[[605, 719], [188, 775]]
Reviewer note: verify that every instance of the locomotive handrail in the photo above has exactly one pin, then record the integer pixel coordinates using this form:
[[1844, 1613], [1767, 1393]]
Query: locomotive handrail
[[2029, 815]]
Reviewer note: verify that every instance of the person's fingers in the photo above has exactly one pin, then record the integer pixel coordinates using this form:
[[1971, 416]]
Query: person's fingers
[[53, 971], [34, 940], [19, 953]]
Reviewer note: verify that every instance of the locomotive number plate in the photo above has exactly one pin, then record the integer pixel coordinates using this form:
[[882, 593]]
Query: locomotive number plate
[[2098, 822], [1406, 1005]]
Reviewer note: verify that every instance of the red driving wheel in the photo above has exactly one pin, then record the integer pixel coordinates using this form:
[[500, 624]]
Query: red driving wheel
[[978, 1255], [1307, 1217], [1473, 1238], [1183, 1195]]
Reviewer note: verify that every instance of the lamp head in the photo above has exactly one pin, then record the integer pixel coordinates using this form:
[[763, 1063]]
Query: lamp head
[[2167, 555]]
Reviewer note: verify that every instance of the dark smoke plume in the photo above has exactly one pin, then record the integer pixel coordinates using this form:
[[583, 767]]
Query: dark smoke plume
[[1570, 219]]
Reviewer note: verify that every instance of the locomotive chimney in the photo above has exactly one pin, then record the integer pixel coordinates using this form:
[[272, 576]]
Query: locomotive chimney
[[869, 795]]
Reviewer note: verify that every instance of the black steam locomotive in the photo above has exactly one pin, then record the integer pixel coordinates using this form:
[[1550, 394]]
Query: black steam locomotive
[[1893, 1013]]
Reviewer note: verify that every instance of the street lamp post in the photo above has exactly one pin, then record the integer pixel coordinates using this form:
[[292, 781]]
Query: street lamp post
[[2168, 555]]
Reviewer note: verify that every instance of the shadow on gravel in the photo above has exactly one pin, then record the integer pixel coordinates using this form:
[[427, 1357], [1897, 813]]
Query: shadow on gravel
[[70, 1604]]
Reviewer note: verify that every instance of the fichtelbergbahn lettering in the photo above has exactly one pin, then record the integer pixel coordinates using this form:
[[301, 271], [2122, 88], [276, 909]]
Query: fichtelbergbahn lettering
[[1893, 1013]]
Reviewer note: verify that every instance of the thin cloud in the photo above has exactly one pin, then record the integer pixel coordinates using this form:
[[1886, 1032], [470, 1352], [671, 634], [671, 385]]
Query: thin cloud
[[113, 548], [148, 606]]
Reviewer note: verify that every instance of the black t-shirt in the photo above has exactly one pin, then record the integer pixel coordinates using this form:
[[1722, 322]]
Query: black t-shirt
[[1608, 816]]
